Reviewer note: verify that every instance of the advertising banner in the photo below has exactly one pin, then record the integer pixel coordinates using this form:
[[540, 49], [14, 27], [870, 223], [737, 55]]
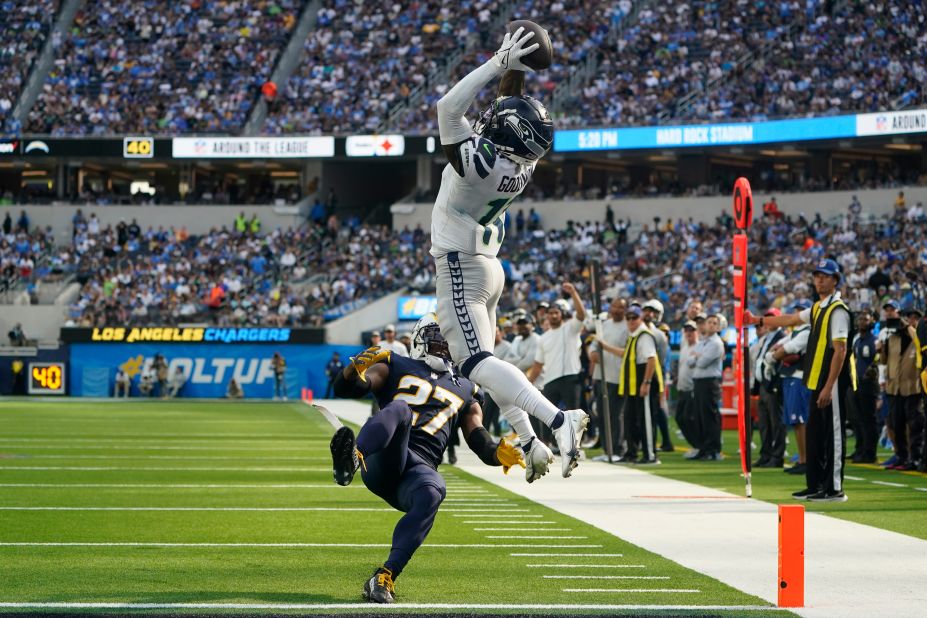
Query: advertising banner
[[414, 307], [687, 136], [252, 147], [375, 146], [892, 123], [207, 368]]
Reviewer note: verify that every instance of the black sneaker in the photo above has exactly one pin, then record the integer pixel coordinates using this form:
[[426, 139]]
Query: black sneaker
[[643, 461], [797, 469], [379, 588], [345, 456], [828, 496], [804, 494]]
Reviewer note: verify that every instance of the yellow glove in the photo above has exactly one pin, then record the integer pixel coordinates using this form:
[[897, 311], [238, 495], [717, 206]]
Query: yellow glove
[[367, 359], [508, 456]]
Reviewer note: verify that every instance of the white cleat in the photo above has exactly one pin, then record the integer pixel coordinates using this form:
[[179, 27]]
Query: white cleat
[[537, 460], [569, 436]]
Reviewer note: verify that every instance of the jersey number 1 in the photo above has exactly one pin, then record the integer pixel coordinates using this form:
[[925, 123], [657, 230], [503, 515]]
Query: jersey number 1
[[493, 221]]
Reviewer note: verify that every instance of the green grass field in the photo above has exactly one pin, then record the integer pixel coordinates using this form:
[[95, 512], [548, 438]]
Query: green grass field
[[887, 499], [182, 502]]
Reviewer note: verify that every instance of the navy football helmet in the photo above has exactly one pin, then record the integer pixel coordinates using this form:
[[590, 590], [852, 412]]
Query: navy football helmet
[[519, 126]]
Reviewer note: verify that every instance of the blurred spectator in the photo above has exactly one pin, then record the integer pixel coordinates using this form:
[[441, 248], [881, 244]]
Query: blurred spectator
[[176, 382], [17, 336], [332, 369], [234, 390], [278, 363], [123, 383]]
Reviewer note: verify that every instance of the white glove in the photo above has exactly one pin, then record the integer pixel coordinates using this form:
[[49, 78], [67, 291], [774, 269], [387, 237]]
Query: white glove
[[513, 49]]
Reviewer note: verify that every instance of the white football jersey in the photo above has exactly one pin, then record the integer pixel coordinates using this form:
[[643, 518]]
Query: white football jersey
[[469, 213]]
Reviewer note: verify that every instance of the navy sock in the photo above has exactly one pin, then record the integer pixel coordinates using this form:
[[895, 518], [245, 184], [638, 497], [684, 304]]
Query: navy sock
[[558, 420]]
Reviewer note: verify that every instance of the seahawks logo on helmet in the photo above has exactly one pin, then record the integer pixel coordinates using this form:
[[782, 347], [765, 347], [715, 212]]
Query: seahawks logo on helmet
[[519, 126]]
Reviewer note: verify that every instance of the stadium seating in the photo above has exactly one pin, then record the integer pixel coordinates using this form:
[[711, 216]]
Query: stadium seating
[[162, 67], [364, 57], [24, 27]]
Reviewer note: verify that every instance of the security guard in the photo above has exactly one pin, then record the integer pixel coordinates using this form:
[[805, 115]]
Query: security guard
[[640, 372], [827, 376]]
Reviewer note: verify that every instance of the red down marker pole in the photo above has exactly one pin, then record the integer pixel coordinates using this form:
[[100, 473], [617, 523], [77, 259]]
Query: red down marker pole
[[743, 217]]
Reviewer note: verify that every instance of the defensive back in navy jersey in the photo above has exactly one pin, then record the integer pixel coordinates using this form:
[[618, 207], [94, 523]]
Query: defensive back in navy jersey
[[436, 399]]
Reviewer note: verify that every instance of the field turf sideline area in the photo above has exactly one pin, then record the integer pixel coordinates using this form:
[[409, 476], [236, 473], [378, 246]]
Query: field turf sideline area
[[186, 507]]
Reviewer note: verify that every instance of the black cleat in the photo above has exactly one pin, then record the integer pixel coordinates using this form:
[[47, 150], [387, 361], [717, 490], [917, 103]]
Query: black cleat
[[379, 588], [345, 456]]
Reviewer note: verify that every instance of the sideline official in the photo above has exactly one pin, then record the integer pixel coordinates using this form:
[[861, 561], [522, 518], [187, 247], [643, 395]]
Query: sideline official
[[768, 386], [826, 375], [640, 372]]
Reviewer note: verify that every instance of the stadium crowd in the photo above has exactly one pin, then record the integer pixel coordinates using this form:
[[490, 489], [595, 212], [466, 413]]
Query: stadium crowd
[[162, 67], [24, 28]]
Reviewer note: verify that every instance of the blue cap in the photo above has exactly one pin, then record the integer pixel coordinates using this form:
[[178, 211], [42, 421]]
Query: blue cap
[[801, 304], [634, 308], [828, 267], [890, 303]]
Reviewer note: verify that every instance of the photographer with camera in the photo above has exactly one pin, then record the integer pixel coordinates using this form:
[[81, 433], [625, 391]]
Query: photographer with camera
[[900, 381]]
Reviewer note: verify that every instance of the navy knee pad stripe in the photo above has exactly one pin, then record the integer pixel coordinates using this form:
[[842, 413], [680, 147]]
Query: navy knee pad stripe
[[460, 305], [471, 363]]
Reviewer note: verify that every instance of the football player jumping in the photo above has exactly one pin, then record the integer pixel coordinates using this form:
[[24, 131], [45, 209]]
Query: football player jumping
[[487, 168], [423, 402]]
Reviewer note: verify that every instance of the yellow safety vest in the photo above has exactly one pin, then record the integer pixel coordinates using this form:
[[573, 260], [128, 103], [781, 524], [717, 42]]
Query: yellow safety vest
[[630, 368], [819, 354]]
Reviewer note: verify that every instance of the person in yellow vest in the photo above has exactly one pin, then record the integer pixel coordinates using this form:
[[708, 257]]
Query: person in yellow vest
[[827, 376], [920, 330], [255, 224], [640, 373], [241, 223]]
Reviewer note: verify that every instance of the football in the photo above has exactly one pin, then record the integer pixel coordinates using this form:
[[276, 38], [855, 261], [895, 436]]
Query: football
[[542, 57]]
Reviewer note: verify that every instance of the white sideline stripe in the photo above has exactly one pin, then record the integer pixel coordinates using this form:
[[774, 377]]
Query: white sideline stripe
[[191, 508], [522, 529], [225, 437], [674, 590], [853, 478], [477, 500], [921, 488], [173, 457], [583, 555], [142, 544], [509, 521], [154, 448], [605, 576], [888, 484], [396, 607], [183, 485], [531, 536], [585, 566], [153, 468], [514, 517]]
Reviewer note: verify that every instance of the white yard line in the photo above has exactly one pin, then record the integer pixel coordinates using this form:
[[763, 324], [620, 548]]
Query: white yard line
[[888, 484], [668, 590], [523, 530], [183, 486], [195, 508], [509, 521], [378, 609], [159, 469], [585, 566], [513, 518], [605, 576], [282, 545], [569, 555], [531, 536]]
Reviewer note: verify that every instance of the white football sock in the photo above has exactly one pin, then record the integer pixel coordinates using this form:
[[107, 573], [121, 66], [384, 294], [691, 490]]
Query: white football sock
[[510, 387], [519, 421]]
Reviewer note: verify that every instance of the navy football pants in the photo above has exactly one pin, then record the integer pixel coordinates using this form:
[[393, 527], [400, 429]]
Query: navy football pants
[[402, 478]]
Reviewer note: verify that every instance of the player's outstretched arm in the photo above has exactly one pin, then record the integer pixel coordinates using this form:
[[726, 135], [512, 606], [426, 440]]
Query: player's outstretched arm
[[366, 372], [453, 128], [489, 451]]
